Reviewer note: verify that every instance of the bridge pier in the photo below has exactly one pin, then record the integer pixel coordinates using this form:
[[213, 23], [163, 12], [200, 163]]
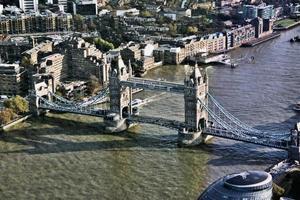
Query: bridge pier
[[188, 138], [294, 153], [114, 123], [294, 150], [42, 85]]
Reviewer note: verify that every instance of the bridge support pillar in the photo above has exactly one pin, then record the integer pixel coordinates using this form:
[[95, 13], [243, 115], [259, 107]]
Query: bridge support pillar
[[196, 117], [34, 106], [114, 123], [294, 153], [294, 150], [188, 138]]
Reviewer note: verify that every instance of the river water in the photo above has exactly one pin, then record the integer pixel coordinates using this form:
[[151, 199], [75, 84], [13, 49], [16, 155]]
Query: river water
[[67, 157]]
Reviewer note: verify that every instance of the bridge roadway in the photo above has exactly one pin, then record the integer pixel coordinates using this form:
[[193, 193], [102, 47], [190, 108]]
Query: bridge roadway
[[155, 85], [74, 109], [263, 141], [172, 124]]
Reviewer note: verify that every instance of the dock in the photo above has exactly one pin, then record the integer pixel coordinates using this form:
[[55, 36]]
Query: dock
[[219, 59], [261, 40]]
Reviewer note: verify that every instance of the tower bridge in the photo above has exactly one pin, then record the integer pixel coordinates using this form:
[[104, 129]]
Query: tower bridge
[[204, 117]]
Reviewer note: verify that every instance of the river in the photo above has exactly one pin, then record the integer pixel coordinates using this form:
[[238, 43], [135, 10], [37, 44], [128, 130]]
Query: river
[[67, 156]]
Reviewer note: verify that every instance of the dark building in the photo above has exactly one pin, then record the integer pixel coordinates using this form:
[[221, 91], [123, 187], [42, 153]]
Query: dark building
[[9, 2], [83, 7]]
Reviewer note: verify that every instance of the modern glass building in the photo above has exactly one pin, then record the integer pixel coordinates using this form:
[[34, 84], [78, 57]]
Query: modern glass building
[[249, 185], [263, 11]]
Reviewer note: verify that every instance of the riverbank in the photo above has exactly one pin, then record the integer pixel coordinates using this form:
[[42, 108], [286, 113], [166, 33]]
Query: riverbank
[[285, 24], [258, 41], [14, 122], [286, 177]]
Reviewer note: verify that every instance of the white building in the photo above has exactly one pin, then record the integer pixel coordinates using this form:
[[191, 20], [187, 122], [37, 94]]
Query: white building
[[132, 11], [27, 5]]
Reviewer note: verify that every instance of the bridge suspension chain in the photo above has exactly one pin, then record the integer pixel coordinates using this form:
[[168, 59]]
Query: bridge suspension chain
[[46, 104], [231, 117], [221, 122], [244, 127], [90, 102]]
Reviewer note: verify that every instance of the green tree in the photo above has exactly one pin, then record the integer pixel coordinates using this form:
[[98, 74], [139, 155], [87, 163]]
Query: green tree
[[93, 85], [6, 116], [192, 30], [173, 29], [78, 22], [18, 104], [103, 44], [145, 13], [25, 62]]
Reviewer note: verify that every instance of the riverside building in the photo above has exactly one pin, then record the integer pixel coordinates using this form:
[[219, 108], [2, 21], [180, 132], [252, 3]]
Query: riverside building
[[12, 79], [263, 11]]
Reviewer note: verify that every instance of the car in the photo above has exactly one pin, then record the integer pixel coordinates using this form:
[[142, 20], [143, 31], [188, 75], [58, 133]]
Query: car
[[136, 102]]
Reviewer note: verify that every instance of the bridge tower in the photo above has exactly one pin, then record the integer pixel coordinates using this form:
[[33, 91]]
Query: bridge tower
[[294, 150], [42, 85], [120, 96], [196, 117]]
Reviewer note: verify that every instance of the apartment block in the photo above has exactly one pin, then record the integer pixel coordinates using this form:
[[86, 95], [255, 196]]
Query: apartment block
[[31, 23], [53, 64], [239, 35], [12, 79]]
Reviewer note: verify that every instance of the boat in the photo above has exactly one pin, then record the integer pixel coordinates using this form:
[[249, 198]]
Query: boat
[[233, 65], [297, 107], [295, 39]]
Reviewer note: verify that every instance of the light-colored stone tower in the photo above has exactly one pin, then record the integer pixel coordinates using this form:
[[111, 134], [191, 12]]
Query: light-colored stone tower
[[195, 90], [42, 85], [196, 117], [120, 96]]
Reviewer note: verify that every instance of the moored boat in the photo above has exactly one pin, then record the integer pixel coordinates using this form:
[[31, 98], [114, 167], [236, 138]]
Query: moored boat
[[295, 39], [297, 107]]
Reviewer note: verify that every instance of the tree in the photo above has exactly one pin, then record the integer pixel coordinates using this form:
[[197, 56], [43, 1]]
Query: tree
[[25, 62], [173, 29], [192, 30], [18, 104], [93, 85], [103, 44], [78, 22], [6, 116], [145, 13]]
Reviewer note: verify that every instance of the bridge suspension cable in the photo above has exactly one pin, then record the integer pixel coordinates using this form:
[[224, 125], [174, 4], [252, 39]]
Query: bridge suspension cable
[[244, 127], [219, 127], [90, 102]]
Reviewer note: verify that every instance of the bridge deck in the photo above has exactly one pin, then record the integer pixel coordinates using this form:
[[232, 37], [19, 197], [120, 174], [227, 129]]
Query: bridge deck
[[262, 141], [76, 110], [156, 85], [172, 124]]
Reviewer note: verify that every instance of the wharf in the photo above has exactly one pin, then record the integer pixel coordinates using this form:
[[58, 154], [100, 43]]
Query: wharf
[[284, 28], [261, 40]]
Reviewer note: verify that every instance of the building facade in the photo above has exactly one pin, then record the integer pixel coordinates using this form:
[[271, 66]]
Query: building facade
[[53, 64], [31, 23], [12, 79], [263, 11], [237, 36], [28, 5]]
